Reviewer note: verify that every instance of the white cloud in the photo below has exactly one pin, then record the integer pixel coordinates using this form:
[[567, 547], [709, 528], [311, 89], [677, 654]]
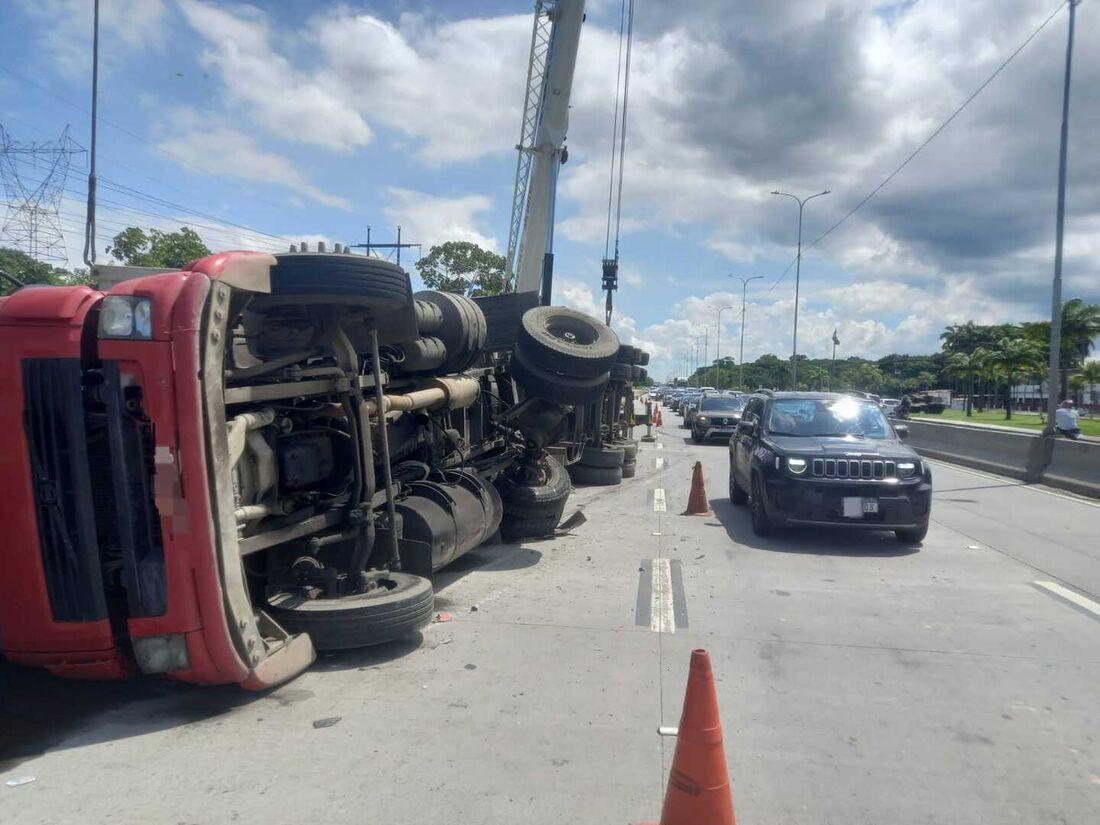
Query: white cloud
[[432, 219], [124, 26], [222, 150], [286, 101]]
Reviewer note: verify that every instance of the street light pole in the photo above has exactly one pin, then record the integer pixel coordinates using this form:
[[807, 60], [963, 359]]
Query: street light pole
[[718, 348], [1054, 374], [741, 355], [797, 277]]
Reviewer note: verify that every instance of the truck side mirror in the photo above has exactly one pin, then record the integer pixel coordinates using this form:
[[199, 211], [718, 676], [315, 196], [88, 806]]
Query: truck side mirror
[[902, 430]]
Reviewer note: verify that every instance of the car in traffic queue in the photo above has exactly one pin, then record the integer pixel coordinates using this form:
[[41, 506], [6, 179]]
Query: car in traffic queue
[[827, 460], [889, 405], [688, 405], [717, 415]]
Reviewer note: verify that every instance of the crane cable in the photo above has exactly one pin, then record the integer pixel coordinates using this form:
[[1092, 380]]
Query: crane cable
[[618, 147]]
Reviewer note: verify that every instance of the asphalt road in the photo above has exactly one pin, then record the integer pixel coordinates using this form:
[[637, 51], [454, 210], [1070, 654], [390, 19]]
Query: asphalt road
[[860, 681]]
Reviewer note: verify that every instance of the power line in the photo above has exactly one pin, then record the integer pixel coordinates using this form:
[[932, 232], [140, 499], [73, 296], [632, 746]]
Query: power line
[[924, 144]]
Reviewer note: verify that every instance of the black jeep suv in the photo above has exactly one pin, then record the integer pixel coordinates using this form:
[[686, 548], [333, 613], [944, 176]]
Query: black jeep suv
[[826, 459]]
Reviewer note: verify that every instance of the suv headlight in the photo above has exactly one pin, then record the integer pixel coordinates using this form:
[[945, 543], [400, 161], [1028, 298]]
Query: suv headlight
[[126, 316], [796, 465], [908, 469], [702, 419]]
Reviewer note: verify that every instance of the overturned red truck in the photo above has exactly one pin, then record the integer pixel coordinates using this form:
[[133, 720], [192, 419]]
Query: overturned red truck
[[212, 473]]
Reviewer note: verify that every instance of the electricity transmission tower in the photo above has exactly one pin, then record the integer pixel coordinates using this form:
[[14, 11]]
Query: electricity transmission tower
[[33, 175]]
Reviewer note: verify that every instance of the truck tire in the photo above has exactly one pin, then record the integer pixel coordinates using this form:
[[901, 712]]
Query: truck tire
[[551, 386], [629, 469], [627, 354], [629, 448], [612, 456], [463, 331], [348, 276], [638, 375], [595, 476], [621, 372], [532, 511], [559, 339], [398, 607], [643, 358]]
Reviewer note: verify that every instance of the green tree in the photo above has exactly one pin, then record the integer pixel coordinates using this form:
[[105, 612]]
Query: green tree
[[967, 366], [1090, 377], [868, 377], [1016, 358], [171, 250], [1080, 327], [463, 267], [30, 270]]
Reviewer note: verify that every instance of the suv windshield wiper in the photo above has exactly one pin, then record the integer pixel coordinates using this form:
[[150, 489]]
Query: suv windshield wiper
[[838, 435], [795, 435]]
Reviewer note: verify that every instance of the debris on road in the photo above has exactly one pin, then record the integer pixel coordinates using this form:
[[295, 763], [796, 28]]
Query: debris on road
[[327, 722], [443, 617], [20, 780]]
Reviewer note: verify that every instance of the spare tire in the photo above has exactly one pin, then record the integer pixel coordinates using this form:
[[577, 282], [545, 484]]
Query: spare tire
[[399, 606], [551, 386], [463, 329], [565, 341]]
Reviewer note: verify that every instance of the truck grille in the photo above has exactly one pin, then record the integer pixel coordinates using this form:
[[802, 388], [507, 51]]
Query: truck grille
[[863, 469], [53, 420]]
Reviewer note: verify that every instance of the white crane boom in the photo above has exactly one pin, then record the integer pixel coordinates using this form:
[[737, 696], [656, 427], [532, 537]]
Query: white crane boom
[[541, 148]]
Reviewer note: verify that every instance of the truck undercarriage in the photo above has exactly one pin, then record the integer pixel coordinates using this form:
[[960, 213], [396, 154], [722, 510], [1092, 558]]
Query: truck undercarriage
[[226, 468]]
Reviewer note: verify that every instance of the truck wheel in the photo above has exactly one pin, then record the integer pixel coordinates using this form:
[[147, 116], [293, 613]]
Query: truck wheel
[[629, 469], [352, 277], [621, 372], [911, 536], [463, 331], [551, 386], [603, 456], [531, 511], [398, 607], [595, 476], [629, 448], [643, 358], [563, 340], [626, 354], [638, 374]]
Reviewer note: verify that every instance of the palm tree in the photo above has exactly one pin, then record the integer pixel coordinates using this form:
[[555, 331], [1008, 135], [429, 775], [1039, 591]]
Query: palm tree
[[1090, 377], [1016, 358], [967, 366], [1080, 327]]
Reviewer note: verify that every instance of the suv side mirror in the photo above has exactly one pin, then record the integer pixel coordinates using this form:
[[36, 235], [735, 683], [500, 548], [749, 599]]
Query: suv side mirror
[[902, 430], [746, 427]]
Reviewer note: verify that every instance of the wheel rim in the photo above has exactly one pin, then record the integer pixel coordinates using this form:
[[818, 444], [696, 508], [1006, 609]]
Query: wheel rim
[[571, 330]]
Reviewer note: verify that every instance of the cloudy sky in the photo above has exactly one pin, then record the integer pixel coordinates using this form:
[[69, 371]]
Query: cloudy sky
[[261, 122]]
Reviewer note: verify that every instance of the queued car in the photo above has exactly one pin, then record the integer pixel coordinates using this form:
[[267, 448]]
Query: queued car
[[827, 460], [890, 404], [688, 405], [717, 415]]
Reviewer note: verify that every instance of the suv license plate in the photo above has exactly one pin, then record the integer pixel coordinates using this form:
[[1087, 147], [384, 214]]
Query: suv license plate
[[858, 507]]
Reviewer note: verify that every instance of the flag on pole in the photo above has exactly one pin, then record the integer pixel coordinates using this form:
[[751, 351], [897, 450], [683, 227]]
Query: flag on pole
[[836, 341]]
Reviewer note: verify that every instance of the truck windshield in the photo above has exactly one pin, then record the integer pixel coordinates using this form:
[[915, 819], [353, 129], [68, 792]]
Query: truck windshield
[[822, 417]]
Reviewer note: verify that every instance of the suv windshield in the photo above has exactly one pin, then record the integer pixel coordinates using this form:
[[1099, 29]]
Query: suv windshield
[[827, 417], [730, 403]]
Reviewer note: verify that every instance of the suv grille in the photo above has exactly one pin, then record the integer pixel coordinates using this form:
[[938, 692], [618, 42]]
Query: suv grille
[[855, 468]]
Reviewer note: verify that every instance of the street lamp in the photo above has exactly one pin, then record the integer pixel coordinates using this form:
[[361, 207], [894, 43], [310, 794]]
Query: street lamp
[[797, 277], [741, 357], [718, 347]]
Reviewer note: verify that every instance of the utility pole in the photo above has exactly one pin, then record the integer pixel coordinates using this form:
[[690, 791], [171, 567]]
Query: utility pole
[[1054, 374], [797, 277], [741, 356], [718, 348], [89, 215], [369, 246]]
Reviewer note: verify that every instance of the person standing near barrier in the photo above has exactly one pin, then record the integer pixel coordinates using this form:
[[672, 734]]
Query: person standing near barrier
[[1065, 420]]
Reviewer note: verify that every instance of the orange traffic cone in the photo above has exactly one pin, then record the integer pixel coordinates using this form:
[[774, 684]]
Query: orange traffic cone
[[699, 785], [697, 499], [658, 421]]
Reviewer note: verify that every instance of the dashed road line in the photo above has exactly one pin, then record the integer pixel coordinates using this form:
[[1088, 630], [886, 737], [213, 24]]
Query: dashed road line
[[1071, 596], [658, 463], [662, 619], [659, 505]]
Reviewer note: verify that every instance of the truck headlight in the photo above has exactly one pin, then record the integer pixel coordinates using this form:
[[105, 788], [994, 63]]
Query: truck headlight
[[126, 316], [796, 465]]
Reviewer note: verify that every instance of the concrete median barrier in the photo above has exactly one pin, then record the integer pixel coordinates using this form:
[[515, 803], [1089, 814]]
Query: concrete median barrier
[[1072, 465]]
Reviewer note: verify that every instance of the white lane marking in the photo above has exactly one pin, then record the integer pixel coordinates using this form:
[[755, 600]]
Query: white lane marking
[[661, 617], [1067, 594], [659, 500], [660, 446], [658, 463], [1009, 482]]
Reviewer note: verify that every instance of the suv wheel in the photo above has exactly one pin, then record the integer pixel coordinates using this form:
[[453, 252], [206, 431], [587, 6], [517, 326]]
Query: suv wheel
[[737, 495], [761, 524], [696, 436], [912, 536]]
